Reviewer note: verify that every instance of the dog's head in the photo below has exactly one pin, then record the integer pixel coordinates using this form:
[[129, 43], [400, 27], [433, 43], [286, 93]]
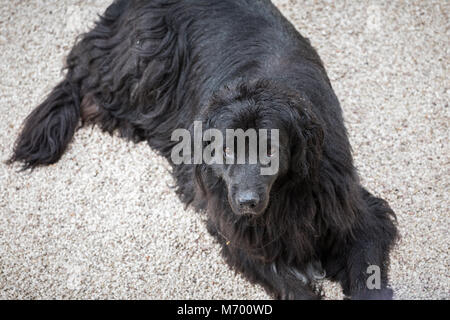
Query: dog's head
[[279, 130]]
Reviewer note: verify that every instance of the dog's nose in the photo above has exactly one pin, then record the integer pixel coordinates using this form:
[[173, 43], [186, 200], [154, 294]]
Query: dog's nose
[[248, 200]]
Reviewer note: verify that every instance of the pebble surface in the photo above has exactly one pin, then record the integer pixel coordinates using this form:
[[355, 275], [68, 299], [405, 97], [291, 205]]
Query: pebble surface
[[103, 222]]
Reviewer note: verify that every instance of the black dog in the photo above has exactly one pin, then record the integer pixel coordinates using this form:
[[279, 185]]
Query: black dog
[[150, 67]]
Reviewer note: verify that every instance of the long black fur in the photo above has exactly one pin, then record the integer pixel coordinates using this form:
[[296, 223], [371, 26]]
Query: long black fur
[[150, 67]]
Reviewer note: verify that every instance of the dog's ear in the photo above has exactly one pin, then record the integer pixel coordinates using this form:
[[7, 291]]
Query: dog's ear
[[307, 140]]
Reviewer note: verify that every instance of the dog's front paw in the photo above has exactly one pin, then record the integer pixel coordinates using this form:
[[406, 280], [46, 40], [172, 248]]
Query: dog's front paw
[[299, 294]]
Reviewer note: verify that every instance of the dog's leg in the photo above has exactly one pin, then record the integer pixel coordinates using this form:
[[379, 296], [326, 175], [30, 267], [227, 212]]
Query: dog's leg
[[136, 58], [367, 259], [285, 283], [279, 280]]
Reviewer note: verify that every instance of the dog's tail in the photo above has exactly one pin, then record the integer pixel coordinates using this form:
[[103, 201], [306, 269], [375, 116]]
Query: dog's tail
[[49, 128]]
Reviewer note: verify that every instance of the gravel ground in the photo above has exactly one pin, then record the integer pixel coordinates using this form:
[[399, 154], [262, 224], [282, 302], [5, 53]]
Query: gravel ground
[[104, 223]]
